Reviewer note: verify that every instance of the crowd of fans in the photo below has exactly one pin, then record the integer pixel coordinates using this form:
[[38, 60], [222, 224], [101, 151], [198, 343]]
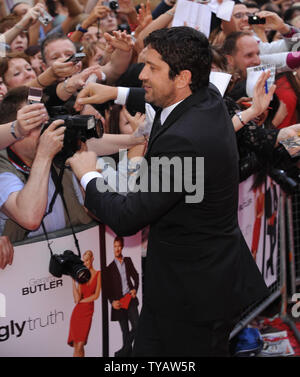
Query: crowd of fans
[[38, 54]]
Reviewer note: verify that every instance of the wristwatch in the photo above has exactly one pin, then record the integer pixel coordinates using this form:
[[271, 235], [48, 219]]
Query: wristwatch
[[13, 133], [80, 28]]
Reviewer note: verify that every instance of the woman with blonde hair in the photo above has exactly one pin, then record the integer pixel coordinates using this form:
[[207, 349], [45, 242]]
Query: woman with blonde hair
[[82, 315]]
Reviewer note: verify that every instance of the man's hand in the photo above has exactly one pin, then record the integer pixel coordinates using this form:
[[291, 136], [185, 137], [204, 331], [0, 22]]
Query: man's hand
[[52, 140], [78, 80], [62, 69], [136, 123], [95, 93], [287, 132], [273, 21], [82, 163], [119, 40], [133, 293], [116, 304], [100, 11], [261, 99], [6, 252], [32, 15], [30, 117], [144, 18]]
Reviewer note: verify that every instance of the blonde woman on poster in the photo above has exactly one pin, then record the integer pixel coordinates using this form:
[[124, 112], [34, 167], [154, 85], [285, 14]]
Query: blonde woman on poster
[[82, 315]]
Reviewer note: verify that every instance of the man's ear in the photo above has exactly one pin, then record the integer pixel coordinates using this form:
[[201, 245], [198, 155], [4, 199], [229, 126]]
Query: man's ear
[[44, 67], [230, 60], [183, 79]]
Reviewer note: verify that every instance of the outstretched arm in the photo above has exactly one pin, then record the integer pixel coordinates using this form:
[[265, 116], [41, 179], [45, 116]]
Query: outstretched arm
[[121, 56], [27, 206], [36, 113], [260, 102]]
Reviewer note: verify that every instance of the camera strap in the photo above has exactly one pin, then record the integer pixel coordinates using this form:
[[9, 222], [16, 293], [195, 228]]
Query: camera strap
[[16, 160], [57, 180]]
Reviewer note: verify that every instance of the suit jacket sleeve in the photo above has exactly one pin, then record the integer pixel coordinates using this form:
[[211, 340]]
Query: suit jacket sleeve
[[136, 100], [126, 215]]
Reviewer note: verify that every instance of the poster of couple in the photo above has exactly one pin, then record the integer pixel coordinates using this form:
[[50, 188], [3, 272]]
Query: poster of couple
[[50, 316]]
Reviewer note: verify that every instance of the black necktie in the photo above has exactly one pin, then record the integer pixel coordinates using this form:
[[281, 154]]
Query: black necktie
[[156, 125], [155, 128]]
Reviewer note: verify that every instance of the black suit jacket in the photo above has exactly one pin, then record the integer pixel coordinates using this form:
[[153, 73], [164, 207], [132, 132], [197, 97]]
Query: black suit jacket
[[198, 265], [113, 285]]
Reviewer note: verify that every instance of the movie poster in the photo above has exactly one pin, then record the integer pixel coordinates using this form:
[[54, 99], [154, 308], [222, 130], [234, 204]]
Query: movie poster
[[259, 223], [39, 306], [123, 289]]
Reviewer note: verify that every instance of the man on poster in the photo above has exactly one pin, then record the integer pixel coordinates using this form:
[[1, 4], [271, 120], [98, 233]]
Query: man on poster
[[199, 272], [121, 282]]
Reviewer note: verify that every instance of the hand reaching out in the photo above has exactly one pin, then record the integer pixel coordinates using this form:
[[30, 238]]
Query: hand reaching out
[[126, 6], [288, 132], [78, 80], [136, 122], [30, 117], [119, 40], [63, 69], [261, 99], [144, 18], [95, 93], [32, 15]]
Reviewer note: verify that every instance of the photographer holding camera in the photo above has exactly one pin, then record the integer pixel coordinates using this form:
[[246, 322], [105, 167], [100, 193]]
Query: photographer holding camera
[[239, 21], [26, 179]]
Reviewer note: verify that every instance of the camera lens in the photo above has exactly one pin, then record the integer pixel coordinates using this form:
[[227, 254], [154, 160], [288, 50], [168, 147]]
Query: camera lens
[[83, 275], [99, 128], [113, 5]]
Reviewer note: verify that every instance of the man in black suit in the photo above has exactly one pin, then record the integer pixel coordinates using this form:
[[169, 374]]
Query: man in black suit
[[120, 279], [199, 272]]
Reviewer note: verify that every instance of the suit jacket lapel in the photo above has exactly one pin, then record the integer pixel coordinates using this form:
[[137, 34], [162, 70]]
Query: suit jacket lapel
[[176, 113]]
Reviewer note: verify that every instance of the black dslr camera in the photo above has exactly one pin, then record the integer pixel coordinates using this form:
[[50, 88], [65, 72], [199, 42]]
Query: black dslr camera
[[78, 128], [112, 4], [69, 264]]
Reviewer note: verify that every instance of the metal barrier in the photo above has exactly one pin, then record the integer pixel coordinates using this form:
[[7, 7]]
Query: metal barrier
[[294, 229], [276, 288], [288, 265]]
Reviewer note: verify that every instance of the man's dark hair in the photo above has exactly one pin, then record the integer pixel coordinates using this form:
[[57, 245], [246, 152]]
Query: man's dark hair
[[51, 38], [119, 239], [229, 45], [12, 102], [251, 4], [183, 48]]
